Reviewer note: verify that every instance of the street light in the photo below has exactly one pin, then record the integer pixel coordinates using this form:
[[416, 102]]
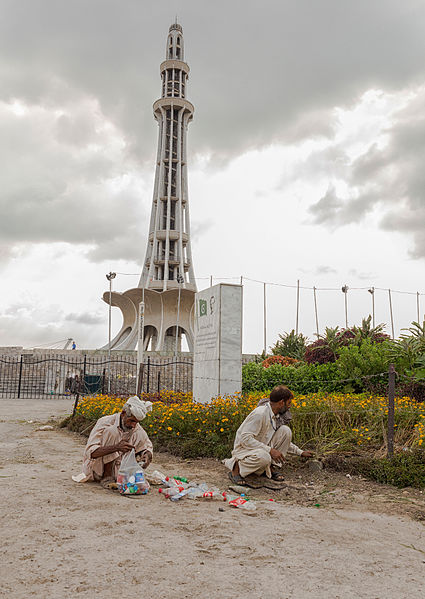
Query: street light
[[110, 278]]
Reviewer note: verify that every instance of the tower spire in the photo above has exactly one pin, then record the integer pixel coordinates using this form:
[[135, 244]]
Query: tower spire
[[167, 284], [168, 253]]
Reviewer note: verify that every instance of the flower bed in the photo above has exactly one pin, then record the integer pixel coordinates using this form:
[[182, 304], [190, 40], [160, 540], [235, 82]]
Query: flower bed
[[324, 422]]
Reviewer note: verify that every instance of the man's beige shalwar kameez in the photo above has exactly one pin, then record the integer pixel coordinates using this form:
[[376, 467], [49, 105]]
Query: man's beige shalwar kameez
[[256, 436], [107, 431]]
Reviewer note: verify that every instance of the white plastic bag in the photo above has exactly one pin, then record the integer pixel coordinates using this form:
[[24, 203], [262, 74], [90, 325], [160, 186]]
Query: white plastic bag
[[131, 478]]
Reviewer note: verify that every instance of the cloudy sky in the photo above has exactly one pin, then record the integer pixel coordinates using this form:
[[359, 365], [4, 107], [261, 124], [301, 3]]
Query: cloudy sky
[[307, 156]]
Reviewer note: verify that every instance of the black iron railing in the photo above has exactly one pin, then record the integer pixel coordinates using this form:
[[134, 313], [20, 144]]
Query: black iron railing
[[38, 376]]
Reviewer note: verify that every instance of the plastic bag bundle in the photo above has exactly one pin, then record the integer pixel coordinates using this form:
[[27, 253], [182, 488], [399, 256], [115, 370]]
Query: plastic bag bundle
[[131, 478]]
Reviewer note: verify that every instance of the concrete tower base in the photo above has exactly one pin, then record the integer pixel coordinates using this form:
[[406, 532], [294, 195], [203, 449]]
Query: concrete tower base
[[161, 316]]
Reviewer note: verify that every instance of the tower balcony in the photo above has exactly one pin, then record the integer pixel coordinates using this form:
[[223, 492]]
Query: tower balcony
[[172, 261], [172, 198], [174, 64], [173, 235], [172, 102]]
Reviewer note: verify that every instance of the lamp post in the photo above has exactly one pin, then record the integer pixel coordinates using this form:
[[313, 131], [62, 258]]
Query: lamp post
[[110, 278], [180, 280], [372, 293], [141, 341], [344, 290]]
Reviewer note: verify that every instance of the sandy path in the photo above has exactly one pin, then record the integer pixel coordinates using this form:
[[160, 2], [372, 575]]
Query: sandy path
[[59, 538]]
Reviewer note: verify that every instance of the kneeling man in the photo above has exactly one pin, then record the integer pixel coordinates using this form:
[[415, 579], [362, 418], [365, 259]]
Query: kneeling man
[[111, 437], [262, 441]]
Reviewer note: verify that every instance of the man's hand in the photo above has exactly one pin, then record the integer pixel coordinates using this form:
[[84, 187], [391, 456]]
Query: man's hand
[[145, 457], [123, 447], [307, 454], [277, 456]]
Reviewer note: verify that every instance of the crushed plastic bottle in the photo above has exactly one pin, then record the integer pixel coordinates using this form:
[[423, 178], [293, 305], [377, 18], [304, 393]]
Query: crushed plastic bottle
[[194, 493], [180, 495], [168, 492], [238, 502]]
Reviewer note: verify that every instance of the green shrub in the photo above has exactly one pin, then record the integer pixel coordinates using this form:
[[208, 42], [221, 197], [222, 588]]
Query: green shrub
[[368, 358], [307, 378]]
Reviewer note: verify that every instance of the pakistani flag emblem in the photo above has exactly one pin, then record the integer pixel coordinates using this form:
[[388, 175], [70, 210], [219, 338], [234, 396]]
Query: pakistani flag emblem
[[202, 307]]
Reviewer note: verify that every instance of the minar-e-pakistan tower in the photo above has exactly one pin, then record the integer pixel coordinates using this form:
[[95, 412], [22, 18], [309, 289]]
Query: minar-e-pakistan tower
[[168, 261]]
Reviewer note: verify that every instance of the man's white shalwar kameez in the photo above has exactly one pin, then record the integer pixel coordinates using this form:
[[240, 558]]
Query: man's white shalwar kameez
[[108, 431], [256, 436]]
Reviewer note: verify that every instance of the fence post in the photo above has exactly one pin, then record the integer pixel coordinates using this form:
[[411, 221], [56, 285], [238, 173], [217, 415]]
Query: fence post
[[159, 381], [77, 397], [140, 379], [149, 374], [391, 393], [84, 373], [103, 381], [20, 377]]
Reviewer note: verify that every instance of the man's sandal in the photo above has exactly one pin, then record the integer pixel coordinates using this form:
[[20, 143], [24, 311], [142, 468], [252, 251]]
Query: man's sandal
[[274, 485], [277, 474], [249, 481]]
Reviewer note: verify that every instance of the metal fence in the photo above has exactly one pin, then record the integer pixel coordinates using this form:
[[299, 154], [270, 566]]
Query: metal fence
[[46, 376]]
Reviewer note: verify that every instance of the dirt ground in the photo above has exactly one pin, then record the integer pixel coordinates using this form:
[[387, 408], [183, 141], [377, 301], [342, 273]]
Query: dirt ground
[[325, 536]]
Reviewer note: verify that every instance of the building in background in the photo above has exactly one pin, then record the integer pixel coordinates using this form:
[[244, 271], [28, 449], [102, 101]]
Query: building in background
[[167, 283]]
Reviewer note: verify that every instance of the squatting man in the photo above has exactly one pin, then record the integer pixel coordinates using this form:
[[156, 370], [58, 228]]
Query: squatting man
[[111, 437], [263, 439]]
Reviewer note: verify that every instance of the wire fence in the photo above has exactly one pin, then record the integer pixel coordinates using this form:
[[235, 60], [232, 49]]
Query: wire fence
[[38, 377]]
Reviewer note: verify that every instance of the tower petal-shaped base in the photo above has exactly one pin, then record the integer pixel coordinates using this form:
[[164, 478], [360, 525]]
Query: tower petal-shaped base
[[163, 318]]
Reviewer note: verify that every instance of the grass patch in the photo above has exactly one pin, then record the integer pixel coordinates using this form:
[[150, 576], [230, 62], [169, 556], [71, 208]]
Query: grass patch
[[405, 469]]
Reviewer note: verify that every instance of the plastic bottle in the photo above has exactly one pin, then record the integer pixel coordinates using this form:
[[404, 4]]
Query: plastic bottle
[[230, 497], [194, 493], [214, 496], [174, 482], [182, 479], [180, 495], [170, 491], [238, 502]]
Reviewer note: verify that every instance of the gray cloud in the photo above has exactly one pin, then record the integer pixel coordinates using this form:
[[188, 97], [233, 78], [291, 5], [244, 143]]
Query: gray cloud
[[324, 270], [52, 191], [255, 74], [28, 325], [391, 178], [362, 276], [88, 72], [327, 208], [88, 318]]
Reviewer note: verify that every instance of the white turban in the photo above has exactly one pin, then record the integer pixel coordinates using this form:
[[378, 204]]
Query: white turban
[[137, 407]]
